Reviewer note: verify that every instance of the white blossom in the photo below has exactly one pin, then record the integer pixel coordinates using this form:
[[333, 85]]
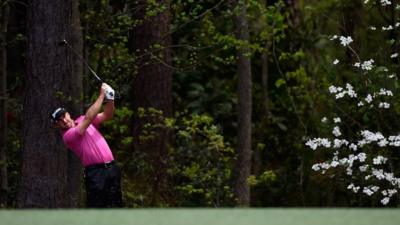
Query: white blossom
[[316, 167], [379, 160], [368, 99], [316, 142], [367, 65], [336, 61], [386, 2], [350, 91], [324, 120], [345, 41], [334, 163], [337, 143], [362, 157], [390, 27], [384, 92], [353, 188], [363, 168], [384, 105], [353, 147], [385, 200], [394, 140], [394, 55], [332, 89], [382, 143], [337, 120], [378, 174], [368, 191], [336, 131]]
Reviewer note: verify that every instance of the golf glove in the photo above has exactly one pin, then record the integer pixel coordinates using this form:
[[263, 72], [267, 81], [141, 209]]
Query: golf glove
[[110, 93]]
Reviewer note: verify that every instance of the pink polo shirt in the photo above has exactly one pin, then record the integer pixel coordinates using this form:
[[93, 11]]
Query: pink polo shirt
[[90, 147]]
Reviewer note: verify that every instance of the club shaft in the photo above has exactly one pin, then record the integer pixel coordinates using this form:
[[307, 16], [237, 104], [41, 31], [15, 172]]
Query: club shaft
[[84, 61]]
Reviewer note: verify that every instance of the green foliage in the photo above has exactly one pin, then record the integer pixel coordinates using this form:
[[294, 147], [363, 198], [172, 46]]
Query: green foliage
[[200, 163]]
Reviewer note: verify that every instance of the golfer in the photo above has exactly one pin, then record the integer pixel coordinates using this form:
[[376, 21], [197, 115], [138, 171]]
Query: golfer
[[102, 176]]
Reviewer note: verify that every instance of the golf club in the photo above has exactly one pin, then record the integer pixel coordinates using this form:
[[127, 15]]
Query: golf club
[[65, 43]]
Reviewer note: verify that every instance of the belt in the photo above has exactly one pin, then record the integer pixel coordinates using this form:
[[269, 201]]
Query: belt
[[105, 165]]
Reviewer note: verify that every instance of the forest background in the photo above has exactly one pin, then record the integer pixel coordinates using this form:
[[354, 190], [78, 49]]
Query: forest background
[[215, 99]]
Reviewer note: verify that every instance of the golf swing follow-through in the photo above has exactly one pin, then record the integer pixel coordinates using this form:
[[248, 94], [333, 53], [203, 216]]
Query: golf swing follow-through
[[81, 135]]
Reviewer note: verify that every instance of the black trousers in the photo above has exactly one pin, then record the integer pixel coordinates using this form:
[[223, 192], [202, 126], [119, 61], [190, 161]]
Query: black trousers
[[103, 186]]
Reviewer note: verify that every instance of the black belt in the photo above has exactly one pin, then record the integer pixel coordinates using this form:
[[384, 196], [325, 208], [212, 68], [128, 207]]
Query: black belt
[[100, 165]]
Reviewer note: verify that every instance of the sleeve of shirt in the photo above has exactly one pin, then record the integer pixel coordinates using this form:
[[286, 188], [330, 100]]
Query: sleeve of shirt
[[96, 122]]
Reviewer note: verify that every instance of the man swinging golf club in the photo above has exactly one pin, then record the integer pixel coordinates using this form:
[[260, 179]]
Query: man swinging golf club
[[102, 176]]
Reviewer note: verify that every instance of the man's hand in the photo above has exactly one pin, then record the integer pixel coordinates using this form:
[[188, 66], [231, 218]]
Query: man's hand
[[109, 91]]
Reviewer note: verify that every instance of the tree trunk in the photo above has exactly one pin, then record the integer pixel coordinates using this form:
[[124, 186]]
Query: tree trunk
[[152, 88], [243, 167], [4, 12], [50, 175]]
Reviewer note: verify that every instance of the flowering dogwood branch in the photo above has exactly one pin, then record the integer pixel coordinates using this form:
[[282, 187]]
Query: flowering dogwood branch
[[365, 154]]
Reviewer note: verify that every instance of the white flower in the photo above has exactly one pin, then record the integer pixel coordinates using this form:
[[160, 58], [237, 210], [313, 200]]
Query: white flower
[[379, 174], [391, 192], [363, 168], [368, 99], [383, 143], [360, 104], [379, 160], [336, 62], [353, 188], [372, 28], [336, 131], [366, 1], [368, 191], [357, 64], [350, 91], [334, 37], [340, 95], [345, 40], [353, 147], [315, 167], [390, 27], [384, 91], [337, 143], [362, 157], [394, 140], [324, 120], [394, 55], [334, 163], [384, 105], [337, 120], [367, 65], [333, 89], [386, 2], [316, 142], [385, 200], [349, 171]]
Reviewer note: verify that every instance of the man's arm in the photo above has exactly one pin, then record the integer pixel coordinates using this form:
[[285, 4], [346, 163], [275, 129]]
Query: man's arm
[[93, 110], [108, 112]]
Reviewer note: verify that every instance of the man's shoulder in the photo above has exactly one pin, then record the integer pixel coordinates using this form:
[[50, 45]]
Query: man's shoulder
[[71, 135]]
